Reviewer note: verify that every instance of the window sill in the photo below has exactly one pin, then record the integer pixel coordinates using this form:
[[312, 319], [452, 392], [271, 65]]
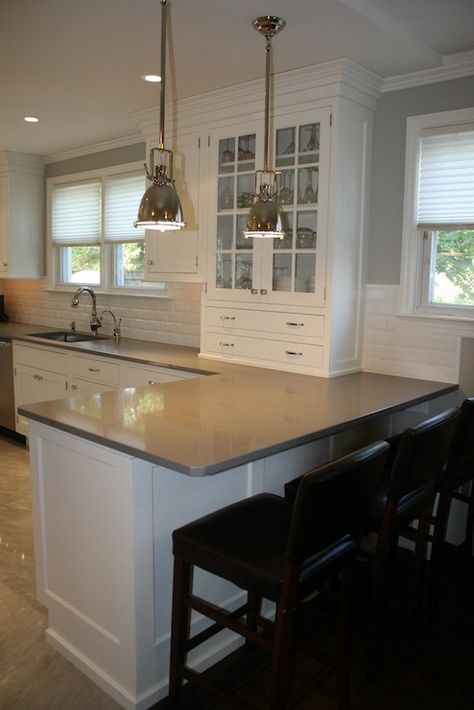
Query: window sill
[[461, 325], [161, 293]]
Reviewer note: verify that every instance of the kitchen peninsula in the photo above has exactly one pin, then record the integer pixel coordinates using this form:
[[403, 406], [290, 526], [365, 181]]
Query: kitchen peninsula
[[115, 472]]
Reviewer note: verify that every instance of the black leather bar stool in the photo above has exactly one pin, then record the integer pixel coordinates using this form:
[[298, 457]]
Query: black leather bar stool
[[406, 494], [457, 472], [279, 552]]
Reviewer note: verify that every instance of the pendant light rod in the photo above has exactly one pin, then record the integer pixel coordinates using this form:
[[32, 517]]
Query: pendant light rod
[[268, 26], [164, 13], [268, 50]]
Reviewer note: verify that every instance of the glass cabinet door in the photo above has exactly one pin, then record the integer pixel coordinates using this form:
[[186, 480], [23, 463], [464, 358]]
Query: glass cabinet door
[[234, 255], [298, 260]]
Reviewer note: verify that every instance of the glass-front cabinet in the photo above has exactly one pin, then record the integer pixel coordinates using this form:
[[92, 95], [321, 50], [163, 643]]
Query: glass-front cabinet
[[290, 270]]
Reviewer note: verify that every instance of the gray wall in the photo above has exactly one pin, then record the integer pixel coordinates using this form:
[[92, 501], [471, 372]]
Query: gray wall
[[94, 161], [388, 167]]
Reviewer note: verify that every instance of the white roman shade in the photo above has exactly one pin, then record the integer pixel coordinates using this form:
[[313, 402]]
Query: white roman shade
[[446, 179], [122, 196], [76, 211]]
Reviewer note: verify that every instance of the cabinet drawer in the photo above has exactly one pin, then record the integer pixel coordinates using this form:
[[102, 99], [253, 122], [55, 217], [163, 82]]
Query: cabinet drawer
[[101, 370], [278, 351], [265, 321], [138, 375], [43, 358]]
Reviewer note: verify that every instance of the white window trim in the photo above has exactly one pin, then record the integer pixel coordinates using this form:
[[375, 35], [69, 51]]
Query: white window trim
[[412, 243], [106, 286]]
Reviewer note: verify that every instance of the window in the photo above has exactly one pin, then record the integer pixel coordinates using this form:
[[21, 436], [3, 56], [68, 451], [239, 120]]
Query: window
[[438, 240], [93, 240]]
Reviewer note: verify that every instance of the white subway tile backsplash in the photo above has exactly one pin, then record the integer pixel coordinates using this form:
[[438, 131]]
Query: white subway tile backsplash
[[174, 319], [411, 348]]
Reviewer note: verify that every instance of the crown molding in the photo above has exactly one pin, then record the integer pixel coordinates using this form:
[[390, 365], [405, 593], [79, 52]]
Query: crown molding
[[455, 66], [94, 148], [293, 89]]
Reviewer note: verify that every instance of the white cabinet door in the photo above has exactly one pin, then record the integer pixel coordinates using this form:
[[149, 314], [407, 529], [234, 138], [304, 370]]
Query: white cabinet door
[[36, 385], [174, 256], [234, 263]]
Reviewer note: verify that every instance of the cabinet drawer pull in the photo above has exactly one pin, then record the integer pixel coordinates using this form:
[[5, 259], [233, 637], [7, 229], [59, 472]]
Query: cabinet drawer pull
[[74, 388], [226, 345], [152, 382], [227, 317], [38, 377], [254, 291], [150, 262], [4, 264], [263, 291], [292, 352], [93, 369], [293, 324]]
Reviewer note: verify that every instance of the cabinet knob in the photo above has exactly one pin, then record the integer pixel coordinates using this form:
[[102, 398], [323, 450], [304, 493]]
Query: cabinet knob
[[263, 291], [74, 388], [151, 382], [254, 291], [150, 262], [38, 377], [4, 264]]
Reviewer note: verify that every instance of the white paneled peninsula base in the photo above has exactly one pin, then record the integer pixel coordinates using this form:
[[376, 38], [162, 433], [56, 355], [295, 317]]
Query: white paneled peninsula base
[[110, 485]]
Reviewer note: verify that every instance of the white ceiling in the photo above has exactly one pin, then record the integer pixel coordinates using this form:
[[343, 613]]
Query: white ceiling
[[77, 63]]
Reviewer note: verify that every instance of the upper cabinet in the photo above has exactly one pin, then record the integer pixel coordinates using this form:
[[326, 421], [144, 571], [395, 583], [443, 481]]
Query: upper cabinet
[[291, 304], [21, 216], [174, 256], [278, 271]]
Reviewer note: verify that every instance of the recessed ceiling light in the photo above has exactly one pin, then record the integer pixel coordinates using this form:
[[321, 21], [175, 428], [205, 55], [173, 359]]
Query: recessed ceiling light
[[151, 77], [31, 119]]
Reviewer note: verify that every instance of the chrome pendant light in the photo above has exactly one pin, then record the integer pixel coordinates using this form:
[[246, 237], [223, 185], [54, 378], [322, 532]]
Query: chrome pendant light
[[160, 207], [264, 219]]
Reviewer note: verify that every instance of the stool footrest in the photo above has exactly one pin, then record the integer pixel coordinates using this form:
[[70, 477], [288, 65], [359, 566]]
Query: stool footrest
[[228, 698], [214, 629], [225, 619]]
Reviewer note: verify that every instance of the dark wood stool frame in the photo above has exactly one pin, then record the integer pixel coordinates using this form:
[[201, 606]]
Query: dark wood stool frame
[[315, 539]]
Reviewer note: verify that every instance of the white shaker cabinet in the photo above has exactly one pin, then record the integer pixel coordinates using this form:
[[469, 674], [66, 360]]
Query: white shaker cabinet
[[174, 255], [21, 215]]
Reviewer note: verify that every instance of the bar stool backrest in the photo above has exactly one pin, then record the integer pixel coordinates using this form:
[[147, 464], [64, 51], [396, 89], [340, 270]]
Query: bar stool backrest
[[461, 454], [334, 501], [422, 452]]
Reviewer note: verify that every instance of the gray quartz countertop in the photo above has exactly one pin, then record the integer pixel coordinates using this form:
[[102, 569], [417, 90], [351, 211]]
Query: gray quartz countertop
[[208, 424]]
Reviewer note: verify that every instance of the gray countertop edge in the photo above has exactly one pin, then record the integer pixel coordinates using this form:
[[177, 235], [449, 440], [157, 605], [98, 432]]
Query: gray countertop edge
[[199, 471]]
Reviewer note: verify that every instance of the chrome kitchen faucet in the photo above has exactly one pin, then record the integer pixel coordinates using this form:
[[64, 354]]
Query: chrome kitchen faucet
[[95, 323]]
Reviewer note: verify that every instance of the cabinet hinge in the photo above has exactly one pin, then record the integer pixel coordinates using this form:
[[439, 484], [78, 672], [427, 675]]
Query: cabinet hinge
[[330, 119], [15, 371], [205, 287], [199, 142], [208, 141], [325, 293], [197, 261]]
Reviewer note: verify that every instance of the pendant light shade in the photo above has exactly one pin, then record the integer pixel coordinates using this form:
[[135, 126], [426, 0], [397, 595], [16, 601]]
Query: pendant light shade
[[160, 207], [264, 220]]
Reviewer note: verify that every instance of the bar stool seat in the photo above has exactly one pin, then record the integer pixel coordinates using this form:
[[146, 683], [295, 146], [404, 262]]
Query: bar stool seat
[[276, 551]]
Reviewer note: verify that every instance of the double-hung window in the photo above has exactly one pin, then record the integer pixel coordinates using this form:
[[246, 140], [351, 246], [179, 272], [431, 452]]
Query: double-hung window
[[438, 246], [92, 237]]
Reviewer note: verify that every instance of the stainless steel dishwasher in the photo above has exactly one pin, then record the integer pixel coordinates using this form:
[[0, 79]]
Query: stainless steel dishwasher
[[7, 401]]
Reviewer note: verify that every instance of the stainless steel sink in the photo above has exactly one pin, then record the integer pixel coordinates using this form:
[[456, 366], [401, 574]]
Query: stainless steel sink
[[66, 336]]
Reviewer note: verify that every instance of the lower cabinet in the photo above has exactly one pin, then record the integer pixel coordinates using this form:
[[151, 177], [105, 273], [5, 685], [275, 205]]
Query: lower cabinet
[[46, 373]]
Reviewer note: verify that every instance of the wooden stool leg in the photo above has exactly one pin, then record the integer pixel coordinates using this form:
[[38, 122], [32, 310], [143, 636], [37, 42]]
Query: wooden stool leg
[[254, 602], [182, 586], [382, 554], [345, 634], [470, 521], [420, 558], [437, 551], [280, 683]]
